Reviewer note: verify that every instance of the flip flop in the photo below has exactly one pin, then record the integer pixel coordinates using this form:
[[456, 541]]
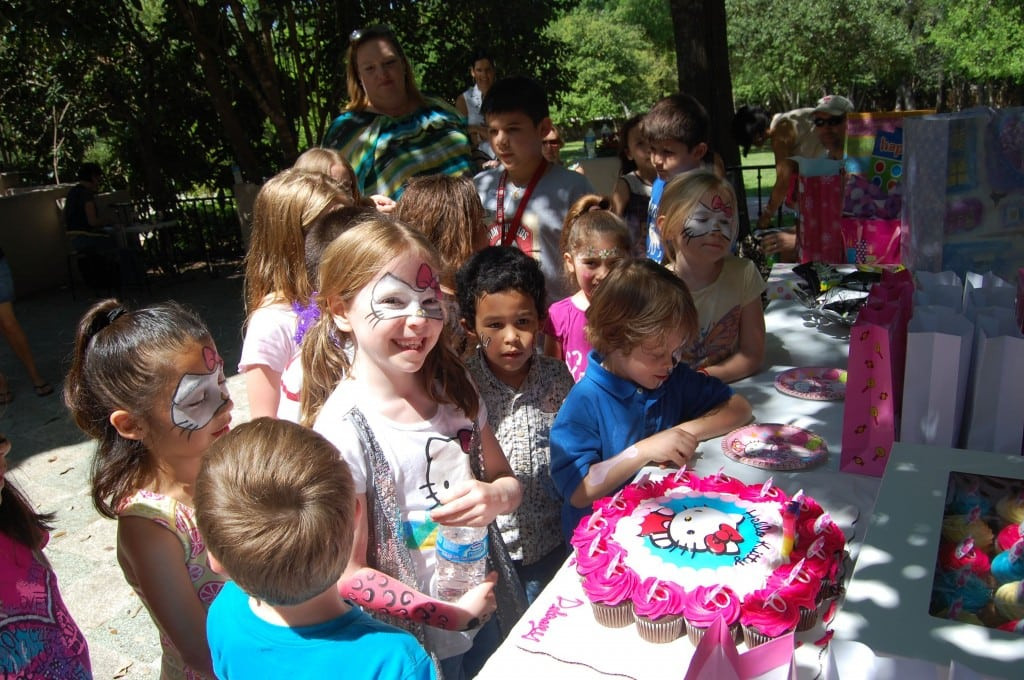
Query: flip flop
[[6, 397], [43, 389]]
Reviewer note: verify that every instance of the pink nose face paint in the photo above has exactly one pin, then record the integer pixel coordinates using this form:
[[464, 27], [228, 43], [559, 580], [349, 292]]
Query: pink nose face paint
[[707, 219], [199, 397], [393, 298]]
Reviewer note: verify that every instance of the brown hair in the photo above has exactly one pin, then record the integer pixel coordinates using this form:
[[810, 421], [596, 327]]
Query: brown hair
[[319, 159], [448, 210], [349, 264], [639, 302], [123, 360], [590, 224], [680, 199], [276, 506], [679, 117], [357, 99], [20, 521], [284, 208]]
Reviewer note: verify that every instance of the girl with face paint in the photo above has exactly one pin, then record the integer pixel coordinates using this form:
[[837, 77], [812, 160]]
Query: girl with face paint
[[698, 221], [381, 383], [149, 386]]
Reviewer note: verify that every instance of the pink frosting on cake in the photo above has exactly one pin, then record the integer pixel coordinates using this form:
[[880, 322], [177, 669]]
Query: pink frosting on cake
[[795, 583], [766, 492], [822, 526], [1009, 535], [769, 613], [613, 507], [597, 555], [809, 509], [590, 527], [722, 483], [612, 585], [644, 489], [704, 604], [657, 599]]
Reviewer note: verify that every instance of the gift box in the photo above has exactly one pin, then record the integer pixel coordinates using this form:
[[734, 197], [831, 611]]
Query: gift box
[[889, 598]]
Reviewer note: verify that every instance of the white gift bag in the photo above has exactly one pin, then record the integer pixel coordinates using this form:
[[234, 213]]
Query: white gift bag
[[939, 343], [986, 290], [994, 415], [939, 288]]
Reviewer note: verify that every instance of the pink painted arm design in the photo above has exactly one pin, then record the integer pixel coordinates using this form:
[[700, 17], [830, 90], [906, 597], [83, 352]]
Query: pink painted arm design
[[379, 592]]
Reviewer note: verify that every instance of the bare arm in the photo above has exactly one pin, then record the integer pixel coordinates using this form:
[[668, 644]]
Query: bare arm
[[263, 386], [784, 170], [553, 347], [620, 197], [155, 557], [373, 589], [749, 356], [723, 418], [674, 446]]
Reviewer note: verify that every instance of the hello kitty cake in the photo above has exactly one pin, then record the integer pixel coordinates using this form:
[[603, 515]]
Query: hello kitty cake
[[718, 539]]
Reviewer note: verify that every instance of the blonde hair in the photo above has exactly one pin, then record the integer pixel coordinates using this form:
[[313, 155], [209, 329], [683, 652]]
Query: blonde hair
[[319, 159], [276, 506], [448, 210], [349, 264], [284, 209], [357, 99], [680, 199], [639, 302]]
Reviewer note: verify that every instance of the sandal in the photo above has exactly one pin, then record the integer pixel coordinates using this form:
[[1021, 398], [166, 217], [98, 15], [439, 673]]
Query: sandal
[[43, 389]]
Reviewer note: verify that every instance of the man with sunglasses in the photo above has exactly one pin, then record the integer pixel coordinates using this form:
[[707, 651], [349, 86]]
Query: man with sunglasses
[[809, 132]]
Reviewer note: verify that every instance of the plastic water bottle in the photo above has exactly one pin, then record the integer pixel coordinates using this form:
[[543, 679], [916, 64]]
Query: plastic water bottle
[[461, 561], [590, 142]]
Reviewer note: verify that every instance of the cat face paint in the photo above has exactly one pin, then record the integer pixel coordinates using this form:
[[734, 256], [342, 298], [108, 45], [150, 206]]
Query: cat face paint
[[394, 298], [199, 397], [713, 214]]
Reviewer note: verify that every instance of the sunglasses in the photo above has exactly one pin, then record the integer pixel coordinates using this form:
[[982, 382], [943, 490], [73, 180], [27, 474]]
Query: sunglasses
[[553, 142], [375, 31], [831, 121]]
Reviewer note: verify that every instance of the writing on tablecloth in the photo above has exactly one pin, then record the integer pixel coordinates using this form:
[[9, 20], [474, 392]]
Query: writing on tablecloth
[[539, 628]]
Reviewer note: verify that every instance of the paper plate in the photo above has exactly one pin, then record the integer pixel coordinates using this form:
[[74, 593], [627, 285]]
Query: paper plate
[[820, 383], [774, 446]]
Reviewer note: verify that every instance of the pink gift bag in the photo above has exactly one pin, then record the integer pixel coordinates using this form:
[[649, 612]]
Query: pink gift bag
[[821, 232], [869, 413], [716, 657], [897, 288], [871, 240]]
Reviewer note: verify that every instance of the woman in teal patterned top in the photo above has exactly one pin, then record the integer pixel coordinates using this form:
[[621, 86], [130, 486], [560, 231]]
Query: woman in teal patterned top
[[389, 131]]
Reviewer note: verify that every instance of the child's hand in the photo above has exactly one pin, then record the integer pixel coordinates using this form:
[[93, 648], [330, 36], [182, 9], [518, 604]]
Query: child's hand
[[478, 603], [675, 446], [384, 204], [470, 503]]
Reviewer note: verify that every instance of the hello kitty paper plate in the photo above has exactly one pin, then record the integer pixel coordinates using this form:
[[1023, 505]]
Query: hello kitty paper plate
[[774, 446], [819, 383]]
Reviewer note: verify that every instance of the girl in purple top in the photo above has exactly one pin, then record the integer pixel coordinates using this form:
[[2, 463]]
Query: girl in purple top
[[593, 243], [38, 638]]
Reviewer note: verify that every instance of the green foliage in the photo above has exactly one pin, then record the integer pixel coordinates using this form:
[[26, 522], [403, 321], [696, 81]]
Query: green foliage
[[981, 39], [787, 54], [616, 70]]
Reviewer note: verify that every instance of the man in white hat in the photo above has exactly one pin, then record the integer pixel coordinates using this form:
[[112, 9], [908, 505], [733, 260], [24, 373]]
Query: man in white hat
[[808, 132]]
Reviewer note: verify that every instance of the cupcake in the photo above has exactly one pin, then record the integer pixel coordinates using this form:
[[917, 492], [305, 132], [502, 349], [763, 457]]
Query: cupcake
[[763, 494], [704, 604], [821, 562], [962, 555], [822, 526], [1009, 600], [722, 483], [1009, 535], [1008, 565], [596, 556], [644, 489], [765, 615], [956, 528], [594, 525], [658, 606], [610, 592], [613, 507], [799, 587], [1011, 508]]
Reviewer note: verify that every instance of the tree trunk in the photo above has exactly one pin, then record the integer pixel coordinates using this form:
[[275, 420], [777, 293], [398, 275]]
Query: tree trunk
[[702, 60]]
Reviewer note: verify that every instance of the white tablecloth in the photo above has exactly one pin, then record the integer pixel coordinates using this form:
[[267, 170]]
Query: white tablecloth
[[558, 636]]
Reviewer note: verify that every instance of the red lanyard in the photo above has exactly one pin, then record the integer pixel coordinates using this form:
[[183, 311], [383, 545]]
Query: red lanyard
[[508, 233]]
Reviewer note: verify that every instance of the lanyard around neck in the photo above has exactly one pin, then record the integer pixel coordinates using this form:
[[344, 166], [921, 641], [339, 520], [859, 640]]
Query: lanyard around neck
[[508, 233]]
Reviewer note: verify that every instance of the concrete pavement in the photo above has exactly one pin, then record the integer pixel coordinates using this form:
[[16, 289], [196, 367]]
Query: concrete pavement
[[50, 462]]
